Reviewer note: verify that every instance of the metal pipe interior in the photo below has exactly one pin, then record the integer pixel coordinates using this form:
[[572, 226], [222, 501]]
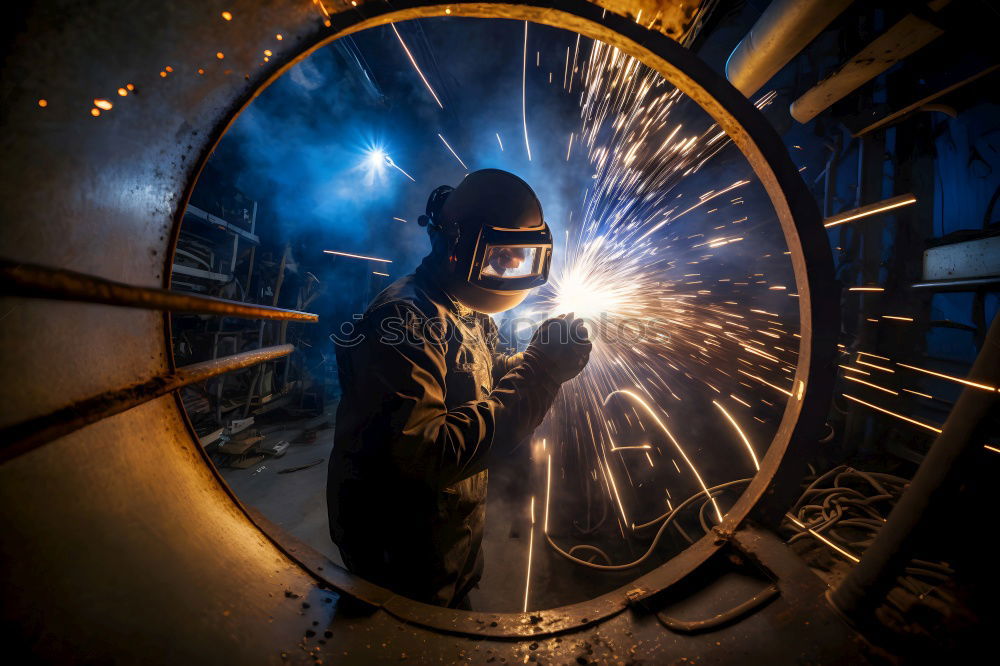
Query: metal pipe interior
[[124, 534]]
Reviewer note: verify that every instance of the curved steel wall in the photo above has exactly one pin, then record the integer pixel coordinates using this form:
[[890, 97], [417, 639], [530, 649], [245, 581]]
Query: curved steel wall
[[119, 539]]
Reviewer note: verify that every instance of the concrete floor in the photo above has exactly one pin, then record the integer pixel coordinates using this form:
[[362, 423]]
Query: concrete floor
[[295, 501]]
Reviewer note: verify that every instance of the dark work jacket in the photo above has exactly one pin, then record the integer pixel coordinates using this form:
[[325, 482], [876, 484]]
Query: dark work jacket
[[426, 401]]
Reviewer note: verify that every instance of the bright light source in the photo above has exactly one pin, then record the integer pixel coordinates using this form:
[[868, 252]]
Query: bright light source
[[376, 159], [375, 163]]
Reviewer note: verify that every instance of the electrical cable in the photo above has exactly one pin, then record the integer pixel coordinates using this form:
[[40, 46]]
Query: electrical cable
[[844, 518], [666, 519]]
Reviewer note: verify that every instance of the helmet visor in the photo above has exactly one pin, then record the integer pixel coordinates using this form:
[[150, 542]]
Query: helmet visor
[[512, 261]]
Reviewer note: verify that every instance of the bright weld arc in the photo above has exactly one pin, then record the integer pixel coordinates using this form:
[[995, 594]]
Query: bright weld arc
[[594, 280]]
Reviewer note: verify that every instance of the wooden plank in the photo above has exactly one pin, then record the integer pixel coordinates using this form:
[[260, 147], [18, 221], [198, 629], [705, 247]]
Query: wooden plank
[[923, 101]]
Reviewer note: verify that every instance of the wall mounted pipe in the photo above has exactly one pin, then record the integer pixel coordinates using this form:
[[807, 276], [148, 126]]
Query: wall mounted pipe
[[781, 32]]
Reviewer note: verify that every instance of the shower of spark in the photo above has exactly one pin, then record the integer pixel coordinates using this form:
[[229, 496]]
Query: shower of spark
[[663, 279], [687, 289]]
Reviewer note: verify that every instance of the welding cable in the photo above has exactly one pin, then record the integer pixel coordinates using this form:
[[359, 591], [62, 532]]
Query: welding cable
[[875, 479], [812, 486], [717, 621], [825, 514], [867, 477], [927, 573], [865, 505], [680, 530], [941, 566], [702, 518], [667, 519], [595, 549], [669, 514], [828, 437], [597, 525]]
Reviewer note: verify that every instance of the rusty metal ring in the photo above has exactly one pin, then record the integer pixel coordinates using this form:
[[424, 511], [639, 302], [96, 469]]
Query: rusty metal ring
[[812, 265], [82, 189]]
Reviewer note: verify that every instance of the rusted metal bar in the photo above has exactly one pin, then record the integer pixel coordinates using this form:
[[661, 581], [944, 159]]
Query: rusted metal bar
[[33, 433], [33, 281], [870, 209], [970, 284], [905, 38], [923, 102]]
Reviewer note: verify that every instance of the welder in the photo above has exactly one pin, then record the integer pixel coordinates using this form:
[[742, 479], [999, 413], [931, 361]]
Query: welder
[[428, 400]]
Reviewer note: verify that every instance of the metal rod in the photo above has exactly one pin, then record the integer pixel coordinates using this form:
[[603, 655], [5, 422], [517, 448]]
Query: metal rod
[[33, 281], [722, 619], [967, 284], [923, 102], [906, 37], [781, 32], [28, 435], [871, 209], [865, 587]]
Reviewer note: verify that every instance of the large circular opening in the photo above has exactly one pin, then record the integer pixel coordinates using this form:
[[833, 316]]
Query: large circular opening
[[672, 207]]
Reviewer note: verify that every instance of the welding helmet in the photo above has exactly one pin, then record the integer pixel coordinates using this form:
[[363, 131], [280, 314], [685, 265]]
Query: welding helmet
[[501, 247]]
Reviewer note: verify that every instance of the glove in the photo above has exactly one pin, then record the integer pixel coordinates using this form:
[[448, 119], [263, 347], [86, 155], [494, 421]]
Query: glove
[[562, 346]]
